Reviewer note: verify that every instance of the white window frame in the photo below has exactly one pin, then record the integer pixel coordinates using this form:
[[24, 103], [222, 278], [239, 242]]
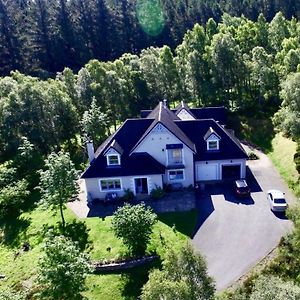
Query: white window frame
[[110, 190], [182, 157], [212, 140], [176, 179], [110, 155]]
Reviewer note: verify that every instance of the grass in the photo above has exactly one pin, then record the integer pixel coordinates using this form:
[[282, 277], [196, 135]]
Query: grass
[[172, 230], [280, 150], [282, 155]]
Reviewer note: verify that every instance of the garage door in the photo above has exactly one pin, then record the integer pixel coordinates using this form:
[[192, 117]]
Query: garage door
[[231, 172], [207, 172]]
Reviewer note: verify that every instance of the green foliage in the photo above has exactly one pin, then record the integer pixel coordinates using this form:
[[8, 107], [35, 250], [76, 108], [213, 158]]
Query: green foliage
[[62, 269], [134, 225], [11, 295], [128, 195], [7, 174], [183, 276], [287, 262], [274, 288], [157, 192], [287, 118], [252, 156], [297, 158], [58, 183], [94, 124], [12, 198]]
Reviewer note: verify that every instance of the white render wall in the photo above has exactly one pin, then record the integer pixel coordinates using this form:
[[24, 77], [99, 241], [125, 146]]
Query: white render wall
[[127, 182], [155, 144], [220, 163]]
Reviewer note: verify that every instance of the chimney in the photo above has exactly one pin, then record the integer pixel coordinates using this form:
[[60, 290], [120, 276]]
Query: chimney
[[165, 103], [90, 150]]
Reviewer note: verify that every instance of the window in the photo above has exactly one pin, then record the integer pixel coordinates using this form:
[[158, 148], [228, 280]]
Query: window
[[213, 145], [174, 156], [176, 175], [110, 184], [113, 160]]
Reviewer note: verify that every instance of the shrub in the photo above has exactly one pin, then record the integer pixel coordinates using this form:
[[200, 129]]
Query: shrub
[[129, 195], [134, 225], [183, 276], [157, 193], [12, 198], [252, 156], [62, 269]]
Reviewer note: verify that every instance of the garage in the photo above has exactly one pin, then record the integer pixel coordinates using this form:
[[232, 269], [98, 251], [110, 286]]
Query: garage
[[205, 172], [231, 172]]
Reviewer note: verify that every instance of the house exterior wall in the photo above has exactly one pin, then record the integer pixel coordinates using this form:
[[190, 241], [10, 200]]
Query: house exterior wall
[[155, 144], [127, 182], [220, 163]]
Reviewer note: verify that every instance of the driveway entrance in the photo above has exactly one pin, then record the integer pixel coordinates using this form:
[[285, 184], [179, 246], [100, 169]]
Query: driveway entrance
[[235, 234]]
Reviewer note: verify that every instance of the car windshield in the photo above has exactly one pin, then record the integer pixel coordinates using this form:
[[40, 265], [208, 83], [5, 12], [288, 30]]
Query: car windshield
[[243, 189], [279, 200]]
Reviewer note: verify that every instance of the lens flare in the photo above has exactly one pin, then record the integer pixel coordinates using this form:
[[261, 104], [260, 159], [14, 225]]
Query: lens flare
[[150, 16]]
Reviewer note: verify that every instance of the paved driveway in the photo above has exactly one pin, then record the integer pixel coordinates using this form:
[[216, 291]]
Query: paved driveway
[[233, 235]]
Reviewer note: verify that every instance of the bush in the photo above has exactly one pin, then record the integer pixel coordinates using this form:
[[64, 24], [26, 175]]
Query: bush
[[12, 198], [252, 156], [62, 269], [134, 225], [297, 158], [157, 193], [129, 195], [183, 276]]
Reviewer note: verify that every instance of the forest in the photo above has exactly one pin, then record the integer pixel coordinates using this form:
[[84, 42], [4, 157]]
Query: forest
[[72, 70], [249, 67], [42, 37]]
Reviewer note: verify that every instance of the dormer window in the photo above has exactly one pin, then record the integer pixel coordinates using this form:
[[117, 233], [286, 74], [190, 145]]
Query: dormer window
[[113, 160], [113, 154], [213, 145], [212, 140]]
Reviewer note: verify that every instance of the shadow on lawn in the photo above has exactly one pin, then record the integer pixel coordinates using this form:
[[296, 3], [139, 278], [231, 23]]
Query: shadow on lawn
[[183, 222], [14, 231], [134, 280]]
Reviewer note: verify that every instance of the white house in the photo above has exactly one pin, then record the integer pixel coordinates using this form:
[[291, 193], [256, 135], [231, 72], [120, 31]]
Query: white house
[[181, 146]]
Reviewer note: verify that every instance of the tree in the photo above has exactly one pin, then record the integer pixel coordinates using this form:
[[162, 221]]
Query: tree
[[12, 198], [62, 269], [58, 183], [287, 119], [183, 276], [134, 225], [274, 288], [93, 123]]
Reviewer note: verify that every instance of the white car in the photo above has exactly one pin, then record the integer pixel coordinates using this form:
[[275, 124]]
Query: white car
[[277, 200]]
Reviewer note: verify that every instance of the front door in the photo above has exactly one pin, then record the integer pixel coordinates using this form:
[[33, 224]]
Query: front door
[[141, 186]]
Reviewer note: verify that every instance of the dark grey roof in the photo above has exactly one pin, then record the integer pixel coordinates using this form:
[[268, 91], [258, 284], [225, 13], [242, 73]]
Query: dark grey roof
[[182, 105], [209, 132], [229, 147], [133, 131], [114, 145], [166, 117], [135, 164]]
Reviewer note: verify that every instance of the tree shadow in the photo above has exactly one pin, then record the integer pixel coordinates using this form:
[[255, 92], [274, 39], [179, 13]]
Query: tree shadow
[[14, 231], [134, 279], [77, 231], [183, 222], [259, 131]]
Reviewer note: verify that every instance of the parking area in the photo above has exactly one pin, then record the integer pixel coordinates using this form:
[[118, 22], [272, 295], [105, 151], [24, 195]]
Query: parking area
[[235, 234]]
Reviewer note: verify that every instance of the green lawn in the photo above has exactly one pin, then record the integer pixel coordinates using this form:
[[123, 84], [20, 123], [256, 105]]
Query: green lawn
[[172, 230], [282, 155]]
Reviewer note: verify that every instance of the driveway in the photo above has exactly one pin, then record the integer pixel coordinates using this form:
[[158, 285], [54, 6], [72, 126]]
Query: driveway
[[235, 235]]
